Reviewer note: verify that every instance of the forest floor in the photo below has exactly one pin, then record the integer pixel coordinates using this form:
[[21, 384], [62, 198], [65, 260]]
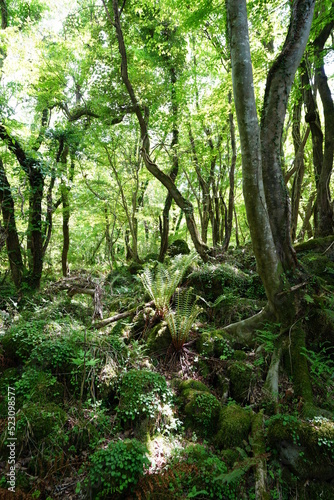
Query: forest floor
[[155, 404]]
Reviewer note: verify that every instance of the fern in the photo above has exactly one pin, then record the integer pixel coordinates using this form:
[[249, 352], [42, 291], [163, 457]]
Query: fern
[[161, 284], [182, 319]]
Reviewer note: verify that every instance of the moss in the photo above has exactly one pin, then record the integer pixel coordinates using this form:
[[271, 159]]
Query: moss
[[230, 456], [307, 448], [144, 401], [158, 339], [241, 375], [300, 372], [239, 355], [316, 243], [202, 413], [190, 384], [212, 343], [233, 426], [20, 340]]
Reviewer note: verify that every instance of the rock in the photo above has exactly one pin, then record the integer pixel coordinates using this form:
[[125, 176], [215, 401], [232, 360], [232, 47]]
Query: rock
[[306, 448], [158, 339], [241, 375], [233, 426], [212, 343]]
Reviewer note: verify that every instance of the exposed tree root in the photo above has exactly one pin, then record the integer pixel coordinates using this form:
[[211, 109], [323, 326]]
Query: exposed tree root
[[271, 384], [259, 450], [243, 331]]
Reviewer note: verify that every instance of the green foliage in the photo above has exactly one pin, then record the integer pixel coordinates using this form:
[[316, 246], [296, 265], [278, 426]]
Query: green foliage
[[203, 413], [162, 283], [23, 337], [38, 386], [116, 468], [182, 319]]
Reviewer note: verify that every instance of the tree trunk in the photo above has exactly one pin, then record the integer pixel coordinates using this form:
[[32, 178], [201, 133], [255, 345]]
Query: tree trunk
[[266, 199], [12, 239], [325, 220], [278, 86], [300, 168], [230, 210], [174, 170], [66, 210]]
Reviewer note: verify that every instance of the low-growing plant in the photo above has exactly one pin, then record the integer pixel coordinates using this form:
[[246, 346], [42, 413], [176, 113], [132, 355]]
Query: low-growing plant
[[116, 468], [162, 282], [181, 320]]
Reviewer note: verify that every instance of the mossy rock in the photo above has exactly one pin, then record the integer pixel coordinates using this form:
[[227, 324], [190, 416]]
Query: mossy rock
[[307, 448], [212, 343], [239, 355], [314, 244], [158, 339], [202, 412], [312, 490], [187, 386], [241, 375], [142, 394], [233, 426], [178, 247]]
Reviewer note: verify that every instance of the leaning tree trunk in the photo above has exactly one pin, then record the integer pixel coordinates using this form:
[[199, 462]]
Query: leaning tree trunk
[[165, 180], [12, 239], [174, 170]]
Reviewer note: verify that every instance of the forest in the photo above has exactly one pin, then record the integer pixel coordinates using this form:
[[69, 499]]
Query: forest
[[167, 249]]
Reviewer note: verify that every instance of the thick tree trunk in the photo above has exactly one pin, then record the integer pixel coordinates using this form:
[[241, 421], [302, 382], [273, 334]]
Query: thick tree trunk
[[12, 239], [279, 82], [268, 263]]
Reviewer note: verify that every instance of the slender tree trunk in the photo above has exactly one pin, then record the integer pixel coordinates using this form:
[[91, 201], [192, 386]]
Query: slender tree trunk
[[64, 189], [184, 204], [174, 170], [325, 223], [230, 210], [36, 180], [300, 169], [12, 239]]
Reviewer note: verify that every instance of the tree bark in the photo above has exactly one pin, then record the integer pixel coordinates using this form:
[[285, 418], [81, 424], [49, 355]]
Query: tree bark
[[300, 168], [229, 221], [174, 170], [265, 196], [278, 86], [12, 239]]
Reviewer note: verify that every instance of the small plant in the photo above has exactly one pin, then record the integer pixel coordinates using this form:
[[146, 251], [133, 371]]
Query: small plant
[[114, 469], [161, 284], [182, 319]]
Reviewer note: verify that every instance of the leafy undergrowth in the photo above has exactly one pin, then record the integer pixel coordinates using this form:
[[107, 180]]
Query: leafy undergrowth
[[124, 412]]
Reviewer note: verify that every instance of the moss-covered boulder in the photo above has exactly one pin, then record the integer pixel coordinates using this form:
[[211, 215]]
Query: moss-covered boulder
[[213, 343], [39, 387], [241, 376], [306, 448], [233, 426], [178, 247], [158, 339], [201, 408], [144, 402]]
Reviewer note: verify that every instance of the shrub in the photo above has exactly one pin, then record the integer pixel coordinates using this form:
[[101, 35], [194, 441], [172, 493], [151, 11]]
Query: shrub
[[115, 469]]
